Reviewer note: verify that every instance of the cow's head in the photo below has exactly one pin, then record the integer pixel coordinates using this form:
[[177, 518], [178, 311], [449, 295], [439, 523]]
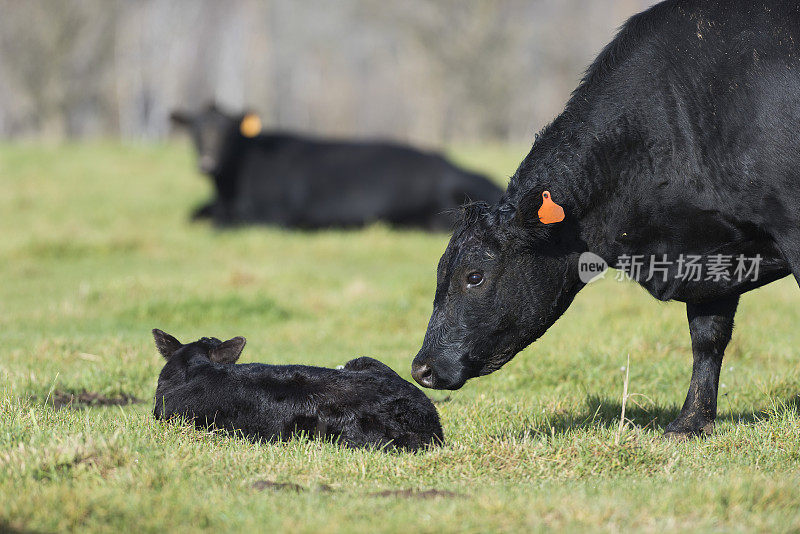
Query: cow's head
[[215, 134], [503, 280]]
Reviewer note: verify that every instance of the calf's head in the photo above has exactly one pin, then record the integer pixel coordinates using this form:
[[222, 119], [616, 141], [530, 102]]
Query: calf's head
[[215, 134], [503, 280], [207, 348]]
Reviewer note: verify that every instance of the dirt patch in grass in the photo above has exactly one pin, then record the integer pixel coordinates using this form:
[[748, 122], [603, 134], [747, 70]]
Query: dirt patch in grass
[[262, 485], [417, 494], [409, 493], [15, 528], [65, 399], [277, 486]]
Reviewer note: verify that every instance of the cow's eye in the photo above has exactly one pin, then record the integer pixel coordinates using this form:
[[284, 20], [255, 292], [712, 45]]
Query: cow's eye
[[474, 279]]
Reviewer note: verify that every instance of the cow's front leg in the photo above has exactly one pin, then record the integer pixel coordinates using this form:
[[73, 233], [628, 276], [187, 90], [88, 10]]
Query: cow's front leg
[[710, 326], [206, 211]]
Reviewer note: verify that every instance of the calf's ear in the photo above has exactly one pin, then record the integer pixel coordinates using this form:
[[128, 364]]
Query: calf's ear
[[229, 351], [165, 343]]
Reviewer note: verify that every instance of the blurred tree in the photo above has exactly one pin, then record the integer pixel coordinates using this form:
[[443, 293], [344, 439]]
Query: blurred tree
[[425, 71], [56, 63]]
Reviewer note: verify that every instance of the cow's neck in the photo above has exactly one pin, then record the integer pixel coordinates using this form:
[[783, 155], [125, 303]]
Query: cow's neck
[[227, 177], [588, 163]]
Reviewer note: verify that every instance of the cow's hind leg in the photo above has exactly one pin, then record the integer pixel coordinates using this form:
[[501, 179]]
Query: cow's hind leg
[[710, 326]]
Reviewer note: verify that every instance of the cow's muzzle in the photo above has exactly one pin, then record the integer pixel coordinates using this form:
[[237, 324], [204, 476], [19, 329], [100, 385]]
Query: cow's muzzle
[[430, 375], [423, 374]]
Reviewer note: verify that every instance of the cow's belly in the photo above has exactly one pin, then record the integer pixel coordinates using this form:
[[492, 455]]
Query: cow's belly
[[702, 262], [706, 289]]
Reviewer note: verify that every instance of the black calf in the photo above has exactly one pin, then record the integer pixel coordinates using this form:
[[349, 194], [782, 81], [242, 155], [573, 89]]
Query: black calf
[[363, 404]]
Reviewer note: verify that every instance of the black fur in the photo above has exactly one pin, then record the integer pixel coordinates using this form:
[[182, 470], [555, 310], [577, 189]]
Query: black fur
[[301, 182], [365, 404], [681, 139]]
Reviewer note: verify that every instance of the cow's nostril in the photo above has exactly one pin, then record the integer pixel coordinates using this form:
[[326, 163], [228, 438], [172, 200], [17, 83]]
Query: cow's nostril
[[423, 374]]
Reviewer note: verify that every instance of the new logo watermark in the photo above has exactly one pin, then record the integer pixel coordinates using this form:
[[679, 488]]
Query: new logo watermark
[[591, 267]]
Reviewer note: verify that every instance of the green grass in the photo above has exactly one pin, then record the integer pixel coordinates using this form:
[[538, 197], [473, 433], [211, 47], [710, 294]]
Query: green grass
[[96, 250]]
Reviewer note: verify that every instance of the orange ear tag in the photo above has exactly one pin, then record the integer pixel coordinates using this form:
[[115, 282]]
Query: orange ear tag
[[250, 125], [550, 212]]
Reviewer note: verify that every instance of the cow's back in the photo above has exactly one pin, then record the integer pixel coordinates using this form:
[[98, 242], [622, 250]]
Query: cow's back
[[682, 138], [308, 182], [706, 95]]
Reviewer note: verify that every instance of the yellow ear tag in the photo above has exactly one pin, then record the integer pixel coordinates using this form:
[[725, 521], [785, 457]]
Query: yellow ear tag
[[250, 125]]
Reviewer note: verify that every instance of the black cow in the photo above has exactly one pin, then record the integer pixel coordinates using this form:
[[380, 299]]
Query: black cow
[[293, 181], [363, 404], [681, 145]]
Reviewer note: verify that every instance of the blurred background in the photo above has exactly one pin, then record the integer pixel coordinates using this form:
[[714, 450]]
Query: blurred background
[[421, 71]]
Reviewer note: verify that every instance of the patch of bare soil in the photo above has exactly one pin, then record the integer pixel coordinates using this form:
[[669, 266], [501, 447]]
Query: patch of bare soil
[[64, 399], [417, 494], [14, 528], [277, 486], [286, 486]]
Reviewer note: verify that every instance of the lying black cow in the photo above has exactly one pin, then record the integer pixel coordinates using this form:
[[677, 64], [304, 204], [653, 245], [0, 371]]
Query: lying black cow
[[299, 182], [681, 146], [364, 404]]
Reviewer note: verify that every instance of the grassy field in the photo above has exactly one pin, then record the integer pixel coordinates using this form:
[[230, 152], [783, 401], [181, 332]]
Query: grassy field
[[96, 250]]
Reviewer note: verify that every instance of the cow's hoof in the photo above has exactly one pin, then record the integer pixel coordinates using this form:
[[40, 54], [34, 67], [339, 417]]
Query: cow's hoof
[[681, 432]]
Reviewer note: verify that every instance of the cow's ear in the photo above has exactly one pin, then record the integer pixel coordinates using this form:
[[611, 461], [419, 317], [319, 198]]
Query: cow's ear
[[538, 208], [229, 351], [181, 118], [250, 125], [165, 343]]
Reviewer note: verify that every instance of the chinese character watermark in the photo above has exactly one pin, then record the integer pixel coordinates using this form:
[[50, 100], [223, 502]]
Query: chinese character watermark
[[717, 268]]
